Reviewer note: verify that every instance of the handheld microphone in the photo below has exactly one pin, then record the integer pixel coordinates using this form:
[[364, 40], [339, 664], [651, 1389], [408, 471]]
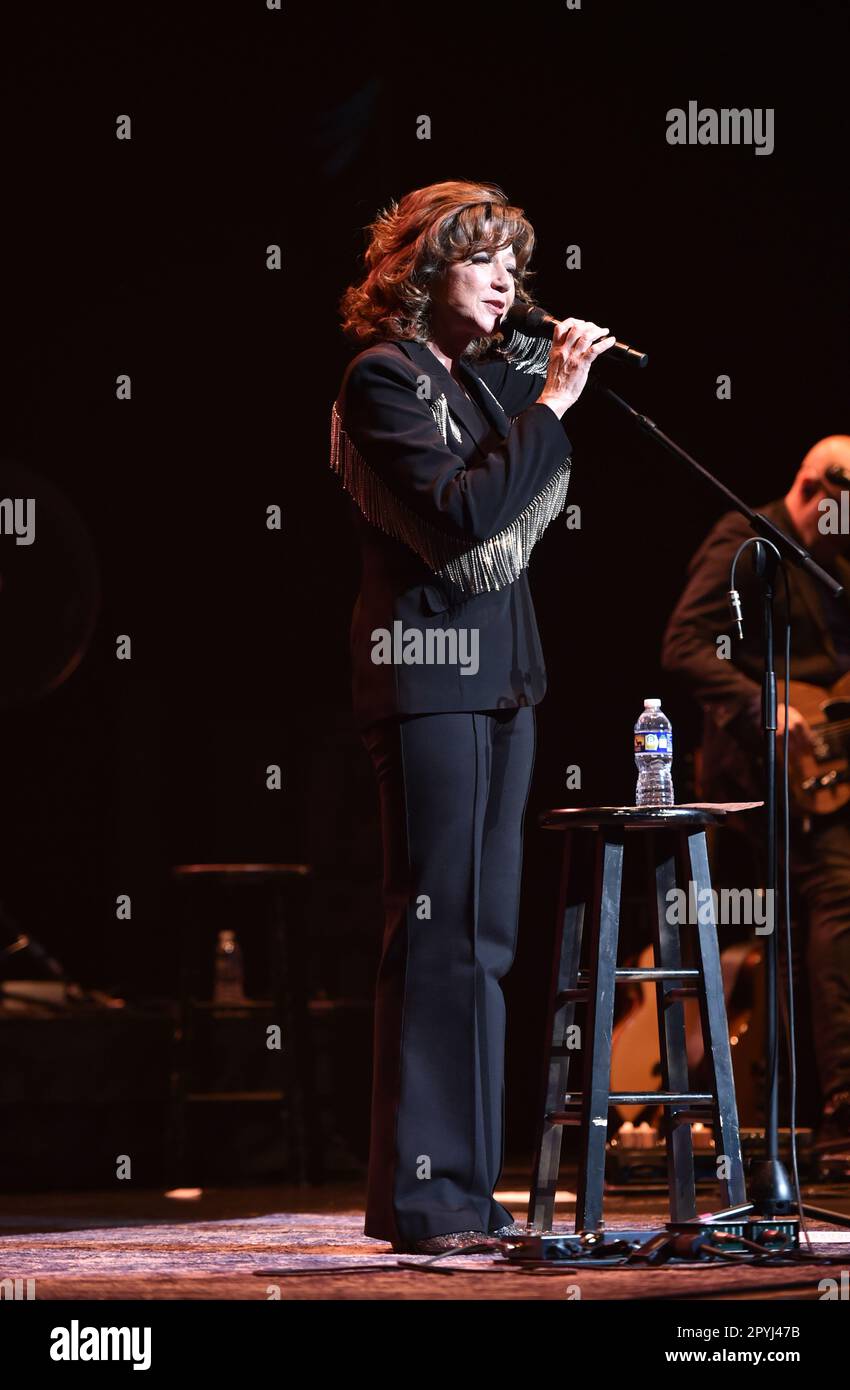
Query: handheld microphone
[[532, 319]]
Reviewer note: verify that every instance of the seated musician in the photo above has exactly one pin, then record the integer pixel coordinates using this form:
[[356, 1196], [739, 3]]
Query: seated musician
[[725, 678]]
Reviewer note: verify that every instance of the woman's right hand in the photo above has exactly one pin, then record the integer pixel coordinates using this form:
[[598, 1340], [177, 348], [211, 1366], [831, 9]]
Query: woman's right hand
[[576, 344]]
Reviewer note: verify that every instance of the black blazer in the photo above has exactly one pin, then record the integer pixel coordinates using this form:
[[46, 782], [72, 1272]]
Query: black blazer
[[449, 496], [729, 691]]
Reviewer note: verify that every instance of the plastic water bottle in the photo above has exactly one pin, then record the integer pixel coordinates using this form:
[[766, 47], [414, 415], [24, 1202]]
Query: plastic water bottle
[[654, 756], [229, 985]]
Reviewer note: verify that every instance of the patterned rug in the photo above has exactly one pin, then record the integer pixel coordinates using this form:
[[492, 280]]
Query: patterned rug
[[324, 1255]]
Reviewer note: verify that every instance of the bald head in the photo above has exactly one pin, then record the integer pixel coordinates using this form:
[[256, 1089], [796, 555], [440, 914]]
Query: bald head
[[810, 487], [834, 449]]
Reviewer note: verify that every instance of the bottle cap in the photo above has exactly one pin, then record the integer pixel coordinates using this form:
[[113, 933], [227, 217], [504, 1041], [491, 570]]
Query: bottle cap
[[652, 704]]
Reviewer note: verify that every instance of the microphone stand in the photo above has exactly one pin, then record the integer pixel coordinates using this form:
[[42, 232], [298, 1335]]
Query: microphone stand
[[772, 1194]]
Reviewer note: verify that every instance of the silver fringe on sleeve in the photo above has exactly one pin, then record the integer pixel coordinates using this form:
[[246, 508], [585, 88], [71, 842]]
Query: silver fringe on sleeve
[[486, 566], [528, 354]]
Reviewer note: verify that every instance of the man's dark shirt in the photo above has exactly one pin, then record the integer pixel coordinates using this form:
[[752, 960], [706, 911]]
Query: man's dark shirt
[[835, 616], [729, 690]]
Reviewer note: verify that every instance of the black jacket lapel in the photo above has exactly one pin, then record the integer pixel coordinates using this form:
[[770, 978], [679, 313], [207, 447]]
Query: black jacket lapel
[[443, 383], [488, 402]]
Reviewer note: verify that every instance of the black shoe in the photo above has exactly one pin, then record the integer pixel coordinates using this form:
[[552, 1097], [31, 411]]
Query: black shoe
[[516, 1228], [453, 1240], [833, 1133]]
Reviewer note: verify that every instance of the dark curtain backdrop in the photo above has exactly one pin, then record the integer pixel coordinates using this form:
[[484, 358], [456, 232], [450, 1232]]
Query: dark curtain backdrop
[[253, 127]]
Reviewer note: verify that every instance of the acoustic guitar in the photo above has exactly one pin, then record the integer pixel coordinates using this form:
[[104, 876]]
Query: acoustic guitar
[[820, 780], [634, 1045]]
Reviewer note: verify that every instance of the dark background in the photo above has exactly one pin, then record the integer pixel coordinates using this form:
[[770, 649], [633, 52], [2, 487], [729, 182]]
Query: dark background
[[148, 257]]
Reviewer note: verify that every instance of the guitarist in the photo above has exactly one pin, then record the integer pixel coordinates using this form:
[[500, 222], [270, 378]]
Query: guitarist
[[725, 678]]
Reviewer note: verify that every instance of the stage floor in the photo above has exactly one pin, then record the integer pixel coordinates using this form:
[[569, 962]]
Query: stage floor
[[254, 1243]]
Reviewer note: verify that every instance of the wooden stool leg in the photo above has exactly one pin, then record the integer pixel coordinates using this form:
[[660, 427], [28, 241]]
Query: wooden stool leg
[[602, 967], [564, 976], [672, 1038], [727, 1137]]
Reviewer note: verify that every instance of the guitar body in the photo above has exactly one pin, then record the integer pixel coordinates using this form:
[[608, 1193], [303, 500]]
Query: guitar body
[[820, 785], [820, 782], [634, 1045]]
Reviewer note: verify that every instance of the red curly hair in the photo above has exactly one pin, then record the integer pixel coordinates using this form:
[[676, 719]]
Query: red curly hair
[[412, 243]]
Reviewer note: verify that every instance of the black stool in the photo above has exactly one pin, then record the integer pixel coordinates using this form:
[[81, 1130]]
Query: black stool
[[678, 855]]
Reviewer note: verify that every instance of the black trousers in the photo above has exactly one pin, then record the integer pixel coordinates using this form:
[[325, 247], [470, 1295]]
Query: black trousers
[[820, 872], [820, 915], [453, 791]]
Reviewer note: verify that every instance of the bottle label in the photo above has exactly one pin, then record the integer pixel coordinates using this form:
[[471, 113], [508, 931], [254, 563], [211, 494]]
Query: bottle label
[[653, 741]]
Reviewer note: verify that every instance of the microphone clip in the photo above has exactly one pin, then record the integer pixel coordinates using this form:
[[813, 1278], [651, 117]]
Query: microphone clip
[[737, 615]]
